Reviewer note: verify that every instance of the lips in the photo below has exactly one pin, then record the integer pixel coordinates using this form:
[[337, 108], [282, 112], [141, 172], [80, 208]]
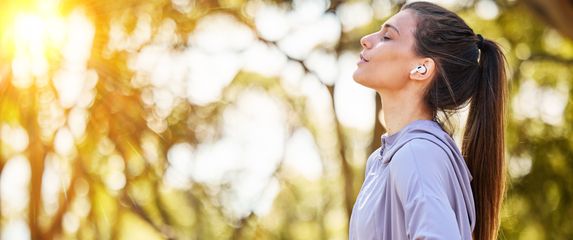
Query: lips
[[362, 58]]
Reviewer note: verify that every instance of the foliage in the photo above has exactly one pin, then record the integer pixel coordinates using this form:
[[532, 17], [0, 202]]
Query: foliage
[[129, 120]]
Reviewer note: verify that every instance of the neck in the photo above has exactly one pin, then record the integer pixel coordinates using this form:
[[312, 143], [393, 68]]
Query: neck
[[400, 110]]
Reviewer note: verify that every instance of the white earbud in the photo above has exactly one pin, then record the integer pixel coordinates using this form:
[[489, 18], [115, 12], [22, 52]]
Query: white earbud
[[420, 68]]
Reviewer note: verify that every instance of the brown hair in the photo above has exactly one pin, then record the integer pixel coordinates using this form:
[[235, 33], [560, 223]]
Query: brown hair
[[469, 70]]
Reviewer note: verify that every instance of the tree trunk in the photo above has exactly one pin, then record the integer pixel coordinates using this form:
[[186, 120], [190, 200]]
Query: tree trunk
[[36, 155], [558, 14]]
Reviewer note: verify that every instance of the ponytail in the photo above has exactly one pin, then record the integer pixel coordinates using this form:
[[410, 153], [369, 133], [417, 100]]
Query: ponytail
[[470, 70], [483, 145]]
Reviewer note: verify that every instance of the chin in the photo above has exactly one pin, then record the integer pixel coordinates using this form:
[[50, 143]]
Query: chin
[[358, 78]]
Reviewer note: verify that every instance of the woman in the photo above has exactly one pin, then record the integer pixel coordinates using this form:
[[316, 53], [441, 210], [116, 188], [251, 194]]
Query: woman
[[427, 62]]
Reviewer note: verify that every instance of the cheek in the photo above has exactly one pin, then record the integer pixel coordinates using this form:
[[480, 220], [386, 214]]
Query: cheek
[[391, 67], [391, 76], [381, 74], [387, 69]]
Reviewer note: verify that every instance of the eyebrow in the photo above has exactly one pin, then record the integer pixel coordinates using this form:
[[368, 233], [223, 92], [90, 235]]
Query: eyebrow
[[387, 25]]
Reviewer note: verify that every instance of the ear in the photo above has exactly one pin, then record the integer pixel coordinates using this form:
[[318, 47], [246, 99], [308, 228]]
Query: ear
[[430, 66]]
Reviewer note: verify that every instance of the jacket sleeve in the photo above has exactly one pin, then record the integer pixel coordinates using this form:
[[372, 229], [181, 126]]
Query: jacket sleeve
[[420, 172]]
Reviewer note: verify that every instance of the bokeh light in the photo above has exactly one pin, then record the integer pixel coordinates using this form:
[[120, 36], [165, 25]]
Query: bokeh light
[[178, 119]]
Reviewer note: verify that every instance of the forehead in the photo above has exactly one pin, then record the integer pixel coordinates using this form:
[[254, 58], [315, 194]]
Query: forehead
[[404, 20]]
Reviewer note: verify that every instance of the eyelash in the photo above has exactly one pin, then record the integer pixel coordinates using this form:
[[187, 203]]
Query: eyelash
[[384, 37]]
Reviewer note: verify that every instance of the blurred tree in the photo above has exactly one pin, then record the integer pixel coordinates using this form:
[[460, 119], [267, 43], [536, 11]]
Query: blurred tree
[[556, 14]]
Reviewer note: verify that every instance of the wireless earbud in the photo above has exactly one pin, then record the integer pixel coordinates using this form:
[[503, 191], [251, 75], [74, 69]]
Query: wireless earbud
[[420, 68]]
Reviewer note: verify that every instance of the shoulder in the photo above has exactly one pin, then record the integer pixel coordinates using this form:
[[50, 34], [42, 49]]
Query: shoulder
[[420, 151], [420, 160]]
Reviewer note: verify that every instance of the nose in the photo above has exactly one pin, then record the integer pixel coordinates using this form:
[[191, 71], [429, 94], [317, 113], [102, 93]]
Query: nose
[[364, 42]]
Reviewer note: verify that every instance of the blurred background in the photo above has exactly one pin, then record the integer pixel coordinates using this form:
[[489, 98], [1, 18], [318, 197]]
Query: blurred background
[[235, 119]]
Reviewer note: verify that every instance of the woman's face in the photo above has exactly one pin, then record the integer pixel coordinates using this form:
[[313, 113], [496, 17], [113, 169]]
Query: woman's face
[[388, 55]]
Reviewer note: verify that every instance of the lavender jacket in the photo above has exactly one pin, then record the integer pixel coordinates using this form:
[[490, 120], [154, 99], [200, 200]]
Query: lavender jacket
[[416, 186]]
